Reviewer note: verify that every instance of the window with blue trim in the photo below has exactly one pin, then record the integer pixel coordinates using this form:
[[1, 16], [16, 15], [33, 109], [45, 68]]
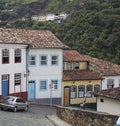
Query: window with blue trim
[[55, 83], [54, 60], [32, 60], [43, 85], [43, 60]]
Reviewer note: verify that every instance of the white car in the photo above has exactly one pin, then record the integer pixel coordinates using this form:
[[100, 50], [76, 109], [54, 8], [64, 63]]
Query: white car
[[13, 103]]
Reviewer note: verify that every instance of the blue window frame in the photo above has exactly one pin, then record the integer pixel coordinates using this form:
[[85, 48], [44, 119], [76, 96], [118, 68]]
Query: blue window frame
[[43, 59], [32, 60], [54, 60], [43, 85], [55, 83]]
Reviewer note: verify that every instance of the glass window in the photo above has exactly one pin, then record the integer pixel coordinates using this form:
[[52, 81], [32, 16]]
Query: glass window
[[69, 66], [96, 87], [77, 65], [43, 60], [5, 56], [89, 91], [17, 55], [55, 82], [54, 60], [73, 91], [110, 83], [17, 79], [43, 85], [32, 60], [81, 91]]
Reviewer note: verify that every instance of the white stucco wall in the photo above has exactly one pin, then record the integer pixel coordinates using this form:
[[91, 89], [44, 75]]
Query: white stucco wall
[[108, 105], [116, 81], [48, 72], [13, 68]]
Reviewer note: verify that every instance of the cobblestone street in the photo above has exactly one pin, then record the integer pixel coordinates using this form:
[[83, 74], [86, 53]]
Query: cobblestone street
[[36, 116]]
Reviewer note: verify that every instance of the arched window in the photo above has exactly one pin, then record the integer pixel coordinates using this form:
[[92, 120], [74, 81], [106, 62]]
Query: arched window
[[81, 91], [73, 91]]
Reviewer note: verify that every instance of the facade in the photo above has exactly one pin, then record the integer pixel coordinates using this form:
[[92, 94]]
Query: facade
[[79, 82], [108, 101], [13, 70], [46, 70], [109, 71], [41, 64]]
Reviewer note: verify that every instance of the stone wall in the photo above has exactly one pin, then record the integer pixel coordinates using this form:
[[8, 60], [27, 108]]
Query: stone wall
[[80, 117]]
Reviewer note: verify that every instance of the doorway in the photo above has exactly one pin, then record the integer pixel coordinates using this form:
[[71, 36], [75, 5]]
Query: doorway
[[5, 85], [66, 95]]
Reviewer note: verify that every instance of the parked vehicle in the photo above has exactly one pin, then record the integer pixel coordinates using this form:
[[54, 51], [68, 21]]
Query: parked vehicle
[[13, 103]]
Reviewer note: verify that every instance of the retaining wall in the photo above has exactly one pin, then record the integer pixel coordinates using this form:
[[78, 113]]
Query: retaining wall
[[80, 117]]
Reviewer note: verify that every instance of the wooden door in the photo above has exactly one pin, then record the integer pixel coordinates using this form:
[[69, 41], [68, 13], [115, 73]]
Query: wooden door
[[66, 95]]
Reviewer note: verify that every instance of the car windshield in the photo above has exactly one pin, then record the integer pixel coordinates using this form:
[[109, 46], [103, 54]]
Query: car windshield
[[9, 99]]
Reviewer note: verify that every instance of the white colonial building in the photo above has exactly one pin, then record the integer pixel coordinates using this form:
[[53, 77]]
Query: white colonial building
[[108, 101], [31, 60], [13, 70], [45, 66]]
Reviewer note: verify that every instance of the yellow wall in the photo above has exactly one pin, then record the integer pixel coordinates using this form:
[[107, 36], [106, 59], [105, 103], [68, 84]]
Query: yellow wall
[[83, 65], [78, 100]]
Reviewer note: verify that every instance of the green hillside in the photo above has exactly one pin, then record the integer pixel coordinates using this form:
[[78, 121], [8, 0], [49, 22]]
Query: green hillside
[[92, 26]]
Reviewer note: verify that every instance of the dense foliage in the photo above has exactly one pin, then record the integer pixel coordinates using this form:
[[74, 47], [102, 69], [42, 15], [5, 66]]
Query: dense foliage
[[92, 26]]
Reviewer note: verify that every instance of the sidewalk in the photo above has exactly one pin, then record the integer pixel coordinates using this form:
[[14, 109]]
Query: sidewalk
[[57, 121]]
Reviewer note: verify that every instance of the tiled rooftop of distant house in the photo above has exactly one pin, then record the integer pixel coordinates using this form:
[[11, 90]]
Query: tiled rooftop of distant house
[[98, 65], [103, 67], [113, 93], [76, 75], [72, 56], [34, 38]]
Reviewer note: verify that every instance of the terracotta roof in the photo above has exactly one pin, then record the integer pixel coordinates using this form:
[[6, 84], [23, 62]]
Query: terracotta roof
[[35, 38], [98, 65], [103, 67], [72, 75], [113, 93], [72, 55]]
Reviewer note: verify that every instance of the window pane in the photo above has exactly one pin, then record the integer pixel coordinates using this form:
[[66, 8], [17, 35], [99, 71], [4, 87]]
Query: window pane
[[73, 91], [32, 60], [43, 85], [81, 91], [55, 82], [54, 60], [69, 66], [17, 79], [96, 88], [43, 60], [89, 90], [77, 65], [5, 56], [110, 83], [17, 55]]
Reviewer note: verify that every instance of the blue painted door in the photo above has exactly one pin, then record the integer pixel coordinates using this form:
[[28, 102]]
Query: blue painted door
[[4, 88], [31, 90]]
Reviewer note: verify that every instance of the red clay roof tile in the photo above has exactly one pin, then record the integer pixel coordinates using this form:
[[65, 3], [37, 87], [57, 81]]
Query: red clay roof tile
[[113, 93], [35, 38], [76, 75]]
